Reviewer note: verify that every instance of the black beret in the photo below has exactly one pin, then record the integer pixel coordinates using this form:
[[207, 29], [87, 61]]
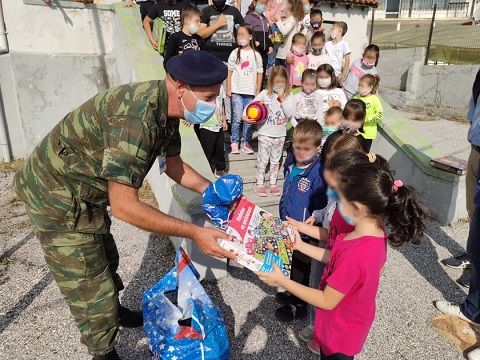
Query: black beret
[[196, 67]]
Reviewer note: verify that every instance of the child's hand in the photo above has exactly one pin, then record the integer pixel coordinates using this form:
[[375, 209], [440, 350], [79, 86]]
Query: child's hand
[[281, 96], [298, 244], [293, 222], [331, 103], [257, 44], [186, 123], [290, 60], [270, 51], [275, 278], [248, 120], [129, 4], [337, 103], [221, 22], [311, 220], [229, 93], [225, 125], [340, 82], [154, 44], [277, 17]]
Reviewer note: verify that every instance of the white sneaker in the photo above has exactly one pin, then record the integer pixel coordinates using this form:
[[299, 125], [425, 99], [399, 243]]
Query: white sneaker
[[452, 309], [474, 354]]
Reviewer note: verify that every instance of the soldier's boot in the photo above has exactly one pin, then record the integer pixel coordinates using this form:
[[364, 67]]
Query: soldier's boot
[[129, 318], [112, 355]]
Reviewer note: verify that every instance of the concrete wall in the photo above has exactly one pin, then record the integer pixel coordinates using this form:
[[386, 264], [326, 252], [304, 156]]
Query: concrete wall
[[39, 90], [357, 21], [57, 30], [409, 154], [406, 83]]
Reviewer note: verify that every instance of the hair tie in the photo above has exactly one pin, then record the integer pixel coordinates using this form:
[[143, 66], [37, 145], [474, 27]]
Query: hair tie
[[397, 184], [372, 157]]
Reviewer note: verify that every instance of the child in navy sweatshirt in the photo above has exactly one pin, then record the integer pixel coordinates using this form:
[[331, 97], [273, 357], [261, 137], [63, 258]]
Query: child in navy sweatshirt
[[304, 191]]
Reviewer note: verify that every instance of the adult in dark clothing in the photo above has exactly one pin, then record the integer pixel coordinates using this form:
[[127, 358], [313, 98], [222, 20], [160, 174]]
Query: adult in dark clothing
[[145, 6]]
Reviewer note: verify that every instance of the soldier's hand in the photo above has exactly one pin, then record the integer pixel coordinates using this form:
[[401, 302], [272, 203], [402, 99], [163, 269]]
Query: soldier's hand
[[129, 4], [206, 241]]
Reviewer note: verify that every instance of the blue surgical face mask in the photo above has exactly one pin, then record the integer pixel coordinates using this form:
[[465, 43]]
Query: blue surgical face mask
[[332, 194], [306, 8], [329, 130], [260, 9], [202, 113], [276, 89], [348, 219]]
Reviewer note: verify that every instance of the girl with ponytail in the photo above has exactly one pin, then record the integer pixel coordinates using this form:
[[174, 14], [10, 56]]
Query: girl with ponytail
[[367, 88], [370, 200]]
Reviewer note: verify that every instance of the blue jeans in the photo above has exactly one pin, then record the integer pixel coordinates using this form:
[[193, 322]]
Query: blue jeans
[[471, 306], [239, 103]]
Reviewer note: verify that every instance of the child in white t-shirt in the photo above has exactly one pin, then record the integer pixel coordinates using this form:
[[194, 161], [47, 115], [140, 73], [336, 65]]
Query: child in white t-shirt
[[244, 82], [308, 102], [317, 55], [339, 51]]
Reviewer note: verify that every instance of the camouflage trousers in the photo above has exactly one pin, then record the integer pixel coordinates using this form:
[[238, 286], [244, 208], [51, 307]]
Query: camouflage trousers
[[84, 267]]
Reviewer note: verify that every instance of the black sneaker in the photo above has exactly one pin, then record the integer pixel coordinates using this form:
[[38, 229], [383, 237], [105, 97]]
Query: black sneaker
[[461, 261], [128, 318], [290, 312], [112, 355], [283, 297], [464, 280]]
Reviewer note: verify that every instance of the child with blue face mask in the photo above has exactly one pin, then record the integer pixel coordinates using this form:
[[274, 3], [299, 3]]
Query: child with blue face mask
[[369, 198], [304, 191], [278, 100]]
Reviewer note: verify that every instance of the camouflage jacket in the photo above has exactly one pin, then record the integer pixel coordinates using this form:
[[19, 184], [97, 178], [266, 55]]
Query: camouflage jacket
[[116, 135]]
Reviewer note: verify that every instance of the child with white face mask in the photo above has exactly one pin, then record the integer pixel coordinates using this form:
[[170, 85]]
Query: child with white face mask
[[187, 39], [278, 100], [327, 87], [339, 51], [366, 65], [367, 88], [244, 82], [308, 102]]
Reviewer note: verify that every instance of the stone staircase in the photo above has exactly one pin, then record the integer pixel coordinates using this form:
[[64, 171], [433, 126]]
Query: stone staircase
[[245, 166]]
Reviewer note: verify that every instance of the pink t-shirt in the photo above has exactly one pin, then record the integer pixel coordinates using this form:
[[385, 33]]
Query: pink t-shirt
[[296, 69], [354, 270]]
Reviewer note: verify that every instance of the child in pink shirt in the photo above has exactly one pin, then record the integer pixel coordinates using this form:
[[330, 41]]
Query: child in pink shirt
[[368, 198], [297, 59]]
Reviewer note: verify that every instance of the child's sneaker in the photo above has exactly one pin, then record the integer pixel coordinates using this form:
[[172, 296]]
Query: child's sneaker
[[314, 347], [306, 334], [235, 149], [247, 148], [260, 190], [274, 190]]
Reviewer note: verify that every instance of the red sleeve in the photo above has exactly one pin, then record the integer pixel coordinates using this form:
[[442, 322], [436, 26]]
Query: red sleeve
[[346, 273]]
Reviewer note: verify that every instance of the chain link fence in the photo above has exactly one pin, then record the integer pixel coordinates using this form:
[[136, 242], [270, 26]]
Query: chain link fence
[[455, 41]]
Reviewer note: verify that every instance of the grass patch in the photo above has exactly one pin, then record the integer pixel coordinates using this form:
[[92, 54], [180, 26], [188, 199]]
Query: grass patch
[[11, 166]]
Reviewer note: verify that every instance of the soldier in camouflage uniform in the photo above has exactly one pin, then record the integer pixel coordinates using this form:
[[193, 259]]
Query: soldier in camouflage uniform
[[98, 155]]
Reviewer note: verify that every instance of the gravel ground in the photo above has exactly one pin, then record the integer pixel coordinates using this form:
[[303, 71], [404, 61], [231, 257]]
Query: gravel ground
[[35, 322]]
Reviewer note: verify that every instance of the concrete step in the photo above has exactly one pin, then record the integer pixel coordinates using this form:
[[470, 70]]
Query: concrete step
[[248, 174]]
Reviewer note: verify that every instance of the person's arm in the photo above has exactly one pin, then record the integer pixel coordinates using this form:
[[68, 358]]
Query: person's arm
[[184, 175], [127, 207], [231, 67], [346, 67], [238, 5], [378, 111], [207, 31], [319, 105], [287, 27], [293, 119], [314, 232], [471, 109], [170, 50], [259, 65], [229, 83], [147, 26], [288, 106]]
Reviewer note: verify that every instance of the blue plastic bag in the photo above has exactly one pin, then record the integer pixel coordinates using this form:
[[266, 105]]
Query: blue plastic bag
[[180, 319], [218, 196]]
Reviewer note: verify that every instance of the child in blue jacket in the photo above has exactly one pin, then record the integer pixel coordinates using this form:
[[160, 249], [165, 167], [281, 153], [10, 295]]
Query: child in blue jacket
[[304, 191]]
